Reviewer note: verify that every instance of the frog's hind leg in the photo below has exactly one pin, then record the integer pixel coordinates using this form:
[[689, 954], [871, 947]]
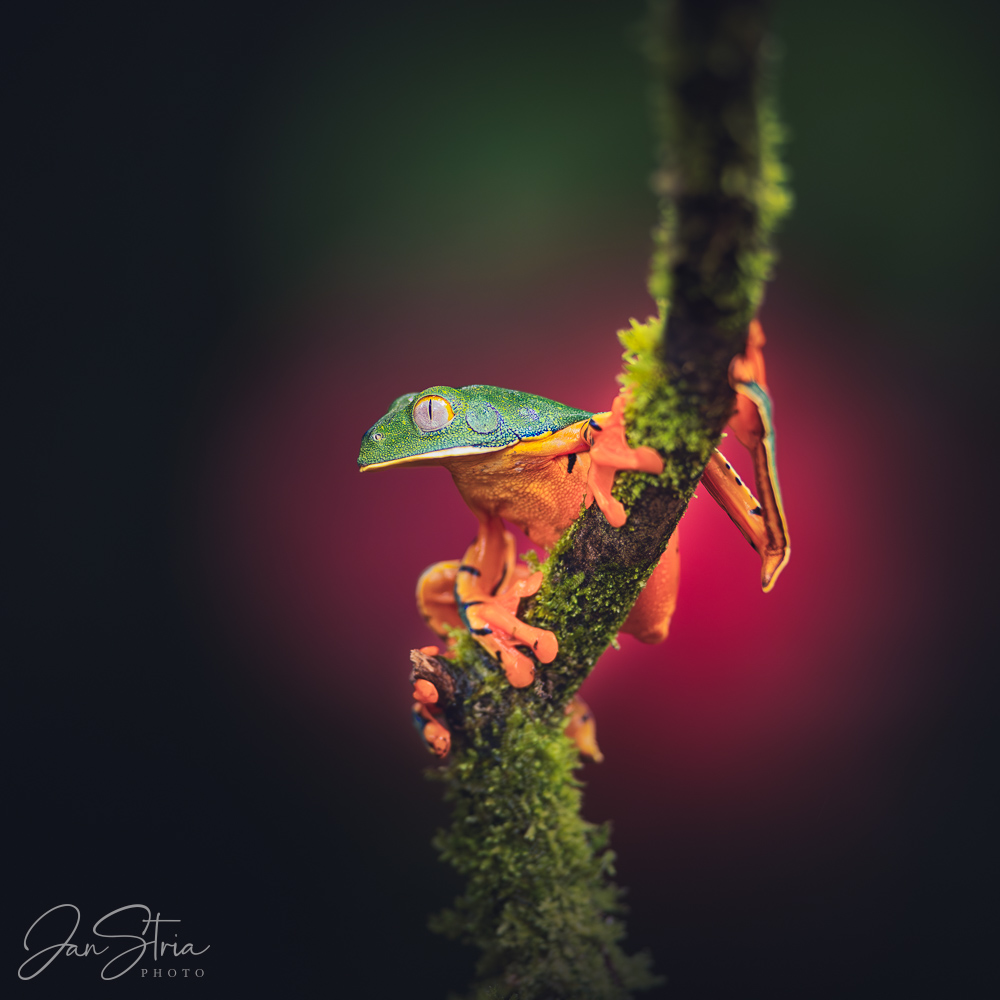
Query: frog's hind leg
[[436, 597], [488, 586], [752, 423], [766, 536]]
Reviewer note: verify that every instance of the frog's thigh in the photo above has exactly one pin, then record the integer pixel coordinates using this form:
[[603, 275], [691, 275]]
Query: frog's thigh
[[746, 422], [436, 596], [649, 619]]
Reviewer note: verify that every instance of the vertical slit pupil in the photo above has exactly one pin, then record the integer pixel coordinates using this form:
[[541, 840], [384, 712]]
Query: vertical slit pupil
[[431, 413]]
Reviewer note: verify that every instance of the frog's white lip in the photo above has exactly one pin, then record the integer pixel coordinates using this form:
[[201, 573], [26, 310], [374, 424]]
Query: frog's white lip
[[430, 455]]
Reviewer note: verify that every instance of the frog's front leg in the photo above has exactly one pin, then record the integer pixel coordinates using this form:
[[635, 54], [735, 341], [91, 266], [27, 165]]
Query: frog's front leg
[[487, 591], [610, 452]]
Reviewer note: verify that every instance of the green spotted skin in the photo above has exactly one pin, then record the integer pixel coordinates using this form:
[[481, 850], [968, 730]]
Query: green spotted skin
[[486, 417]]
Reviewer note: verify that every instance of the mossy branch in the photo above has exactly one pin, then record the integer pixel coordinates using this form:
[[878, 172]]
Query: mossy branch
[[538, 901]]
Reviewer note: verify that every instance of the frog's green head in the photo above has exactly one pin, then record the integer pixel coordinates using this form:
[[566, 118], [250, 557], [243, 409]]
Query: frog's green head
[[442, 422]]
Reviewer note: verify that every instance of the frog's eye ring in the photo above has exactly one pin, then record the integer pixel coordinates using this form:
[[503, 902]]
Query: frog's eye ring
[[431, 413], [377, 437]]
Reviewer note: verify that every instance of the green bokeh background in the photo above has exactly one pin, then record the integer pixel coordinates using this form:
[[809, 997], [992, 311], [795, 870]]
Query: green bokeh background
[[492, 145]]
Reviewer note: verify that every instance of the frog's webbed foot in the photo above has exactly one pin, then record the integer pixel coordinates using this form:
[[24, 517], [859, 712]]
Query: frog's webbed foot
[[433, 689], [610, 453], [763, 524], [582, 729], [435, 734], [488, 586], [500, 632]]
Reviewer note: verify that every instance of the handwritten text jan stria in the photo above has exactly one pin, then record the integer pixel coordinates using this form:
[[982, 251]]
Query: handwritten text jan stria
[[50, 927]]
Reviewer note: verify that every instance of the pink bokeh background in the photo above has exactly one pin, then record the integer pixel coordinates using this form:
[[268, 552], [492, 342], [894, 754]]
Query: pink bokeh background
[[766, 737]]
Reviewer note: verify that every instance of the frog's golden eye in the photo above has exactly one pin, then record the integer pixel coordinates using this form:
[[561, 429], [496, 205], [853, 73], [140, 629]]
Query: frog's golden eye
[[431, 413]]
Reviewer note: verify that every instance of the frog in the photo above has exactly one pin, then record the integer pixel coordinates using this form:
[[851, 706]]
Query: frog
[[534, 462]]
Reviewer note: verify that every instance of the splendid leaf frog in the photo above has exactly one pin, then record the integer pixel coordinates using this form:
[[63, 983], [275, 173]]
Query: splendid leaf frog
[[532, 461]]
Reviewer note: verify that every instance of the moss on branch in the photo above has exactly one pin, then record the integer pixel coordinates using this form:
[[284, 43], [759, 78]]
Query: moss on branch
[[539, 902]]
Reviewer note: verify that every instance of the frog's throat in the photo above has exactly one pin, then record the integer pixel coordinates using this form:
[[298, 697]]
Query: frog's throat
[[432, 457]]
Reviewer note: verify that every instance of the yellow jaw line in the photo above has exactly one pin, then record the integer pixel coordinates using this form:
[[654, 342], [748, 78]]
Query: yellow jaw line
[[548, 443], [432, 456]]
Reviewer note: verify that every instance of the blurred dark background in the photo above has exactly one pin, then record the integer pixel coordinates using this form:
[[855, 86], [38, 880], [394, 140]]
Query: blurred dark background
[[235, 233]]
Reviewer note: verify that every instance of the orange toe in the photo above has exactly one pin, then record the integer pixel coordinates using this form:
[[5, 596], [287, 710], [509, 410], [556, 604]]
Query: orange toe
[[611, 453], [425, 692]]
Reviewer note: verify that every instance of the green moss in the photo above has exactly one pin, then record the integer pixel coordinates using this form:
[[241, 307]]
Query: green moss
[[538, 901], [663, 412]]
